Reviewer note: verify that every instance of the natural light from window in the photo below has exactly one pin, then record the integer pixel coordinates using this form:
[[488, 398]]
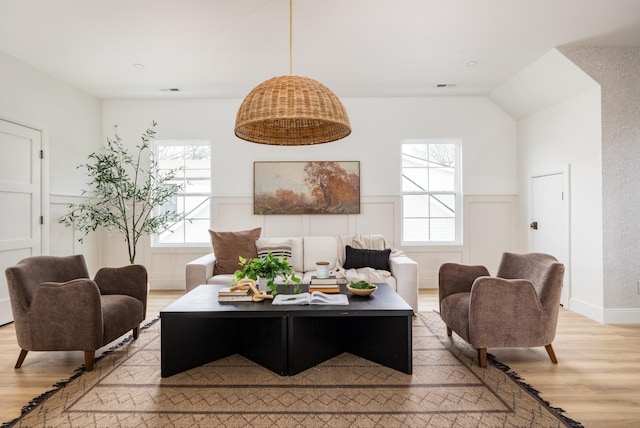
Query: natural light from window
[[430, 192], [191, 161]]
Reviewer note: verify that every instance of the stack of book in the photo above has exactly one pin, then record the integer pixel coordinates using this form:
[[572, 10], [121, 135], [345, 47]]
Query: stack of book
[[324, 285], [226, 295]]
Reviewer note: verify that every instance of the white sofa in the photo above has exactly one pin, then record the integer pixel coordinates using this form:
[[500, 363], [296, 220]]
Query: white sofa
[[305, 252]]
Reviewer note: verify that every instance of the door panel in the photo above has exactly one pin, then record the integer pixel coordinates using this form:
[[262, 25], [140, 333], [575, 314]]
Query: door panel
[[20, 199], [548, 234]]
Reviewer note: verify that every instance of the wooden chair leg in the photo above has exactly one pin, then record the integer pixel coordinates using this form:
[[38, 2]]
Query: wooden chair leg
[[136, 332], [552, 355], [89, 358], [482, 357], [449, 331], [21, 357]]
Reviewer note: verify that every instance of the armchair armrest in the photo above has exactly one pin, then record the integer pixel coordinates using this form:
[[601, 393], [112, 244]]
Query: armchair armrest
[[65, 316], [130, 280], [456, 278], [505, 313], [405, 271], [198, 271]]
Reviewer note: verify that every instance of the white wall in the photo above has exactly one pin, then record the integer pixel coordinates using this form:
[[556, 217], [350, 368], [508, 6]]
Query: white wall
[[568, 133], [616, 70], [594, 128], [71, 122], [379, 126], [559, 129], [76, 124]]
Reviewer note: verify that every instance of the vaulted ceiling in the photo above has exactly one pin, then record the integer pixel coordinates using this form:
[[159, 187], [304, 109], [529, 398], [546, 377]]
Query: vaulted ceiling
[[358, 48]]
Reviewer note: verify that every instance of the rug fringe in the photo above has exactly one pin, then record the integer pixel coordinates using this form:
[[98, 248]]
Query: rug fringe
[[559, 412], [532, 391], [76, 374]]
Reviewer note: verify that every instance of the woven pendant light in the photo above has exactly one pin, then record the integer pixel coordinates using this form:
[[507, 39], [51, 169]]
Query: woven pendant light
[[291, 110]]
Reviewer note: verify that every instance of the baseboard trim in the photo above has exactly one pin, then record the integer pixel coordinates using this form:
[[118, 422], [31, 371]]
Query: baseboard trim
[[586, 309], [605, 316], [622, 316]]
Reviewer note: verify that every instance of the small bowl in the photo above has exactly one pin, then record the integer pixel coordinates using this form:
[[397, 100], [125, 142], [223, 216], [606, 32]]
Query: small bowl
[[361, 291]]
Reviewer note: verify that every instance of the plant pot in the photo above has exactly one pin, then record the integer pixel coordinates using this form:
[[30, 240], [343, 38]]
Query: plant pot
[[262, 283]]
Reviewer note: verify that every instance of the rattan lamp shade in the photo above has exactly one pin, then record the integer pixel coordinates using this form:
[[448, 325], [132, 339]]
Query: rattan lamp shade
[[291, 111]]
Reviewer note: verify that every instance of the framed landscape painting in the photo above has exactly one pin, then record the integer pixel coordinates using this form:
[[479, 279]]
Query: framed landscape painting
[[315, 187]]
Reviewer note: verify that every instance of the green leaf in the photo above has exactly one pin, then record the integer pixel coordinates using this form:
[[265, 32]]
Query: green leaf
[[123, 193]]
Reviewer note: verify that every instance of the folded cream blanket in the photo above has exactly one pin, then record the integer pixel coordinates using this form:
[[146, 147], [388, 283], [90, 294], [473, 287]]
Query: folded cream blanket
[[370, 242]]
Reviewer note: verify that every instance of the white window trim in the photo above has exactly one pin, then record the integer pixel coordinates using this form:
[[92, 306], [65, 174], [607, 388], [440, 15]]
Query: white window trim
[[457, 192], [155, 245]]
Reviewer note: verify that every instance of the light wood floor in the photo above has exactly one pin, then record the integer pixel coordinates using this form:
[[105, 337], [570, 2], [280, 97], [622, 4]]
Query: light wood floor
[[597, 380]]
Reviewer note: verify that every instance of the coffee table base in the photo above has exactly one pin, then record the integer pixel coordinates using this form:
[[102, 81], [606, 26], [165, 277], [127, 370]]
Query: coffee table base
[[196, 330], [383, 340], [191, 342]]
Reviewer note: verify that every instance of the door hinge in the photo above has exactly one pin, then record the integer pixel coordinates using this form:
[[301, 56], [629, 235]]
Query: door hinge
[[41, 154], [41, 219]]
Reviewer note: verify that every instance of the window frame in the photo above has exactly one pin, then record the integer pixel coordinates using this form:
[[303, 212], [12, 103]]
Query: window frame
[[183, 194], [456, 192]]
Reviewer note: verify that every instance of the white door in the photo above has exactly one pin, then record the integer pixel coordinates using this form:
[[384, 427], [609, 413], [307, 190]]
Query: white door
[[548, 226], [20, 203]]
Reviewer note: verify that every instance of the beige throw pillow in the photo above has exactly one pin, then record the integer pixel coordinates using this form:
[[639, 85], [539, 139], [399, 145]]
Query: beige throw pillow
[[229, 246]]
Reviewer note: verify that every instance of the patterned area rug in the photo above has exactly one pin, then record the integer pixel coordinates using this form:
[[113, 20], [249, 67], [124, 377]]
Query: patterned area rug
[[447, 389]]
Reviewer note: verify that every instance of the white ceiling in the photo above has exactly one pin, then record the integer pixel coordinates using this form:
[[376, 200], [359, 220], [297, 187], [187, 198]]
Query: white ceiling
[[358, 48]]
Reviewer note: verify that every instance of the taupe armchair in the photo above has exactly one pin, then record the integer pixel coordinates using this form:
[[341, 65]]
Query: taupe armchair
[[57, 307], [517, 308]]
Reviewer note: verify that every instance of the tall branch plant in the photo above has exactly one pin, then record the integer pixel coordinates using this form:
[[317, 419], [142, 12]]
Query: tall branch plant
[[124, 195]]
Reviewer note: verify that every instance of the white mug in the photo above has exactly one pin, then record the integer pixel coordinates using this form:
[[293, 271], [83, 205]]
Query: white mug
[[322, 269]]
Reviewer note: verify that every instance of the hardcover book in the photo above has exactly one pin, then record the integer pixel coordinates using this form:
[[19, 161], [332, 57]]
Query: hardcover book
[[226, 295], [239, 298], [227, 292], [314, 298], [324, 288], [332, 280]]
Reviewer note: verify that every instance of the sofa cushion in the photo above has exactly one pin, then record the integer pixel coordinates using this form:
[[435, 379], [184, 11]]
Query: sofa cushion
[[319, 249], [360, 258], [229, 246]]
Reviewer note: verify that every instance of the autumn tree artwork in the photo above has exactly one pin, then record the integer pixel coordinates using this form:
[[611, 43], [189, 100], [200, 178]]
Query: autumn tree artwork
[[318, 187]]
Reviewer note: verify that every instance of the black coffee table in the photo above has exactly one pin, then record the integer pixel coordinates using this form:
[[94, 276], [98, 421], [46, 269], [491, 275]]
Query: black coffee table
[[197, 329]]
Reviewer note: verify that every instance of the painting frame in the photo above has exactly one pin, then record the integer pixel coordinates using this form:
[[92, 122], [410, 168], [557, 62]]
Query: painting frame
[[306, 187]]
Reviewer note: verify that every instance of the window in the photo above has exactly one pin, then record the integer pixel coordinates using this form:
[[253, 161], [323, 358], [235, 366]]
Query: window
[[191, 161], [431, 192]]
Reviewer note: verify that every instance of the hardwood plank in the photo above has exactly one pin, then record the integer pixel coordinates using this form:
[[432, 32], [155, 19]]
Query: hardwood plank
[[41, 370], [596, 380]]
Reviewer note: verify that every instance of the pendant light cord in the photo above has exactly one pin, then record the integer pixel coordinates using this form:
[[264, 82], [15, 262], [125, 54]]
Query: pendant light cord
[[290, 37]]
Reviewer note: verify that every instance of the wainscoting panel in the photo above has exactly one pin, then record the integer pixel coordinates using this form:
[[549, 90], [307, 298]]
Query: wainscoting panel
[[63, 240], [229, 214], [378, 216], [166, 266], [281, 225], [430, 259], [490, 229], [328, 224]]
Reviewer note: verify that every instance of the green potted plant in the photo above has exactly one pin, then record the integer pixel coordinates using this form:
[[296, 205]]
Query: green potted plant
[[124, 195], [268, 267]]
